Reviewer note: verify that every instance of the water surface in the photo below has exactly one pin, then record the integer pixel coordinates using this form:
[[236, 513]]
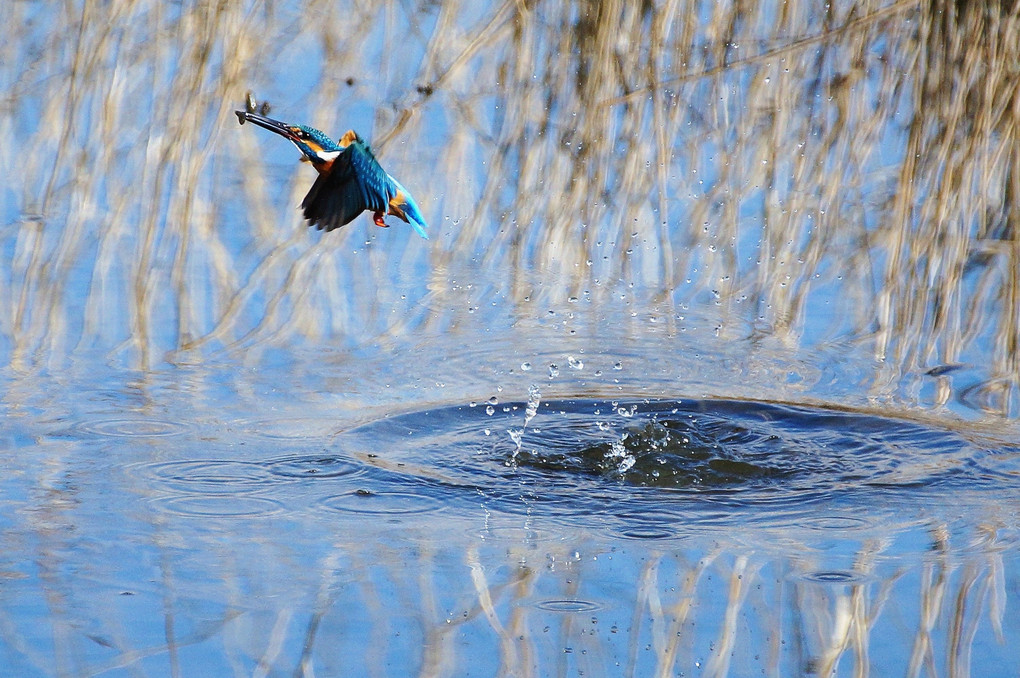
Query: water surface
[[709, 366]]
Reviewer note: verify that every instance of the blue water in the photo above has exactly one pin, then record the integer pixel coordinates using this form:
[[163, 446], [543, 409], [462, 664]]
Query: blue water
[[199, 520], [758, 426]]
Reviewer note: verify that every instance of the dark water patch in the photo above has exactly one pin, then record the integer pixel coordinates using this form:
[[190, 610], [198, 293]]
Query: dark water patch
[[657, 467], [671, 452]]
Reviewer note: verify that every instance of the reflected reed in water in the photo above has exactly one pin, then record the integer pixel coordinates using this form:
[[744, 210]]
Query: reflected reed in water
[[813, 174], [817, 171]]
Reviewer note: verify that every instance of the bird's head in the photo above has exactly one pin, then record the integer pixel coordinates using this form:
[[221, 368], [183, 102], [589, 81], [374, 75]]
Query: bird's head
[[314, 145]]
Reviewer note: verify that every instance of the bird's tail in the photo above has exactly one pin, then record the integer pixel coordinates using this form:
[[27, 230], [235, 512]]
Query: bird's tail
[[406, 204]]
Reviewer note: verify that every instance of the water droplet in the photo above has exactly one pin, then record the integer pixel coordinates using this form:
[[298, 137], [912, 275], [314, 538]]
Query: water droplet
[[490, 410], [575, 363], [618, 366], [533, 399], [494, 400], [525, 366], [554, 371]]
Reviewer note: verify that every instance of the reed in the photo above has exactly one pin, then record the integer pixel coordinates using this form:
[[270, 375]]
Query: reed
[[778, 162], [772, 159]]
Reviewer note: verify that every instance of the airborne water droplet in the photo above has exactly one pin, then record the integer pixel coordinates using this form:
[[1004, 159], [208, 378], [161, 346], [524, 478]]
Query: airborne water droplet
[[534, 399], [517, 435]]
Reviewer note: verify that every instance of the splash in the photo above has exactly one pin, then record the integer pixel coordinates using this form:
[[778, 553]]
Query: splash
[[619, 455], [530, 410]]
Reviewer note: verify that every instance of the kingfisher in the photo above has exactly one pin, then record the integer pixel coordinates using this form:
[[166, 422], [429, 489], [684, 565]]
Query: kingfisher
[[350, 179]]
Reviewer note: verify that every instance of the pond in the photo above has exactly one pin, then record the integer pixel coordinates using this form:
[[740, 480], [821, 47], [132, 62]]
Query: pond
[[708, 365]]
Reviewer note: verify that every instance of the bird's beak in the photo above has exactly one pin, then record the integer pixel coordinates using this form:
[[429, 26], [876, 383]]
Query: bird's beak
[[281, 128]]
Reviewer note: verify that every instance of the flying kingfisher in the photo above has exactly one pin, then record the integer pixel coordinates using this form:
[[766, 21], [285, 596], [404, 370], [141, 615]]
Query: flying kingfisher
[[350, 179]]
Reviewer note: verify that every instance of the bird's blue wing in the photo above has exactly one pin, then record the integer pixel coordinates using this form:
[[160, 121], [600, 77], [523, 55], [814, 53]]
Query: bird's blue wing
[[353, 184]]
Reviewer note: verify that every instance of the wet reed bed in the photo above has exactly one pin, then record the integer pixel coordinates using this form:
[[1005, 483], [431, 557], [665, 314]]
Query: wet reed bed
[[854, 160]]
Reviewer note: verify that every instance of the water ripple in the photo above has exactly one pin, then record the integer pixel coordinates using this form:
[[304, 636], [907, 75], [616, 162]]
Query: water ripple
[[652, 468], [206, 506], [568, 605], [381, 503], [835, 576], [837, 523], [132, 428], [212, 476], [315, 466], [520, 535]]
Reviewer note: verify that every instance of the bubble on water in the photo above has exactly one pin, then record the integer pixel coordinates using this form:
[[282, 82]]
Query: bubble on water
[[575, 363], [525, 366], [618, 366]]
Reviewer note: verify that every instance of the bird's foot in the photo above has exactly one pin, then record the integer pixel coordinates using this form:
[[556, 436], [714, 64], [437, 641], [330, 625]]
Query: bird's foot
[[378, 219]]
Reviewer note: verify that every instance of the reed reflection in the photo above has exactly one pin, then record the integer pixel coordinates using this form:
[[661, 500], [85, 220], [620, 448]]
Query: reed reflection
[[825, 170]]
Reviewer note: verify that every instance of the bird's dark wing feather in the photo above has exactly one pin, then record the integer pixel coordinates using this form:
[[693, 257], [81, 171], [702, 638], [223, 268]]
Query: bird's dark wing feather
[[354, 183]]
